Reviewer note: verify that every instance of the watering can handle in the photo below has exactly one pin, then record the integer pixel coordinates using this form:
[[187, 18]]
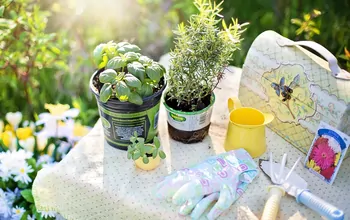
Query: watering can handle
[[233, 103]]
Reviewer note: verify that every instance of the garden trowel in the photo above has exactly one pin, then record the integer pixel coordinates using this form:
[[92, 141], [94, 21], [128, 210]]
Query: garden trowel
[[296, 186]]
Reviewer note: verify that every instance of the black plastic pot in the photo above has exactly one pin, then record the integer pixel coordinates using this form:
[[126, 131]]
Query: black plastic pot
[[189, 127], [121, 119]]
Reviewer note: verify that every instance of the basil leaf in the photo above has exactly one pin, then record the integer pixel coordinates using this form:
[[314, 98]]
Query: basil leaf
[[108, 76], [145, 60], [146, 90], [137, 70], [116, 63], [132, 81], [122, 91], [131, 56], [154, 72], [135, 98], [106, 92], [98, 52], [128, 48]]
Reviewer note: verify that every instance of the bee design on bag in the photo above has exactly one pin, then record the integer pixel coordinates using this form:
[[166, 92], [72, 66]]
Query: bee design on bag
[[284, 90]]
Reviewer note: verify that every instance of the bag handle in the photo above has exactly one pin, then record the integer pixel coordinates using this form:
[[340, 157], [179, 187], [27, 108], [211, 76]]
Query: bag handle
[[337, 72]]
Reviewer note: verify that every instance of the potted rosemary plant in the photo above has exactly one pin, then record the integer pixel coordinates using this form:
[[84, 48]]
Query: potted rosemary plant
[[128, 87], [202, 51], [146, 156]]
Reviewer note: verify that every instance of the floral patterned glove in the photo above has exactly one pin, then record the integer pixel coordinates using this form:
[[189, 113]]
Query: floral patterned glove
[[223, 177]]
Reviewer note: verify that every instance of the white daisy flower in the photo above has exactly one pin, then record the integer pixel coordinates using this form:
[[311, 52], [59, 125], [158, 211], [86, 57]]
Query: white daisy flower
[[5, 172], [30, 124], [5, 205], [21, 174], [17, 212], [46, 214], [12, 195], [45, 159], [333, 143]]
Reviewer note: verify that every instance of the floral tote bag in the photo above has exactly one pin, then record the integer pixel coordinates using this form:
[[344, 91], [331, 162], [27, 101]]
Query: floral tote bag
[[299, 87]]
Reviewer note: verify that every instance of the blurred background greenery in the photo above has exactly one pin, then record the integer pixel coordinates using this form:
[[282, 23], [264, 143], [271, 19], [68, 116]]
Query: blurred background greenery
[[46, 45]]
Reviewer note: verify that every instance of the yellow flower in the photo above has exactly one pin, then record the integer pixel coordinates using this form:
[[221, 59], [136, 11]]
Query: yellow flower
[[337, 157], [9, 128], [7, 138], [80, 130], [24, 133], [311, 164], [57, 110]]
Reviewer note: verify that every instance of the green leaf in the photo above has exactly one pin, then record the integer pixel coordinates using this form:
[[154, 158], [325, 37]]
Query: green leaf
[[145, 159], [132, 81], [135, 134], [103, 62], [145, 60], [162, 154], [108, 76], [106, 92], [116, 63], [133, 139], [146, 90], [135, 98], [27, 195], [156, 142], [98, 52], [2, 8], [137, 70], [154, 72], [131, 56], [128, 48], [136, 155], [32, 163], [121, 44], [155, 153], [141, 140], [25, 215], [129, 155], [22, 185], [122, 91], [148, 149]]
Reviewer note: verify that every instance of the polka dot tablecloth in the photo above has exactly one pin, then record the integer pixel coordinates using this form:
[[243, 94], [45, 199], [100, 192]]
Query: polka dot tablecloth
[[96, 181]]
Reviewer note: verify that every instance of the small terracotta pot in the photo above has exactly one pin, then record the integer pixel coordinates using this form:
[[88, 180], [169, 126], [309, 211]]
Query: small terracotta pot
[[152, 164]]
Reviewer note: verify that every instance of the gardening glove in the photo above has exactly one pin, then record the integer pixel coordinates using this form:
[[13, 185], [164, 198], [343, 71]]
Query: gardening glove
[[223, 177]]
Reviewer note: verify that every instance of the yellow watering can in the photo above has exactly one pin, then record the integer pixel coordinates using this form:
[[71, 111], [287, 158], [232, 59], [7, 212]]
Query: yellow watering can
[[246, 128]]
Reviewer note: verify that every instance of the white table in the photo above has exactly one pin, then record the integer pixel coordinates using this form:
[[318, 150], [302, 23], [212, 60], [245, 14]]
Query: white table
[[96, 181]]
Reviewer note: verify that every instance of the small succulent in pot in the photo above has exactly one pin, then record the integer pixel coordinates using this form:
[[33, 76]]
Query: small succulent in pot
[[139, 150], [125, 74]]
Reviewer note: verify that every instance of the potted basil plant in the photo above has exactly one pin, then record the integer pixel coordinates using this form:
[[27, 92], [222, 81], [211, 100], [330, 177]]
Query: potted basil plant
[[201, 53], [128, 87], [146, 156]]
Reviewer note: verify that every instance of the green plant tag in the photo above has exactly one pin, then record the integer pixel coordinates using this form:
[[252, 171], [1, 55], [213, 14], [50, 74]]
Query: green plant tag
[[132, 81], [115, 63], [27, 195], [106, 92], [122, 91], [108, 76], [135, 98], [137, 70]]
